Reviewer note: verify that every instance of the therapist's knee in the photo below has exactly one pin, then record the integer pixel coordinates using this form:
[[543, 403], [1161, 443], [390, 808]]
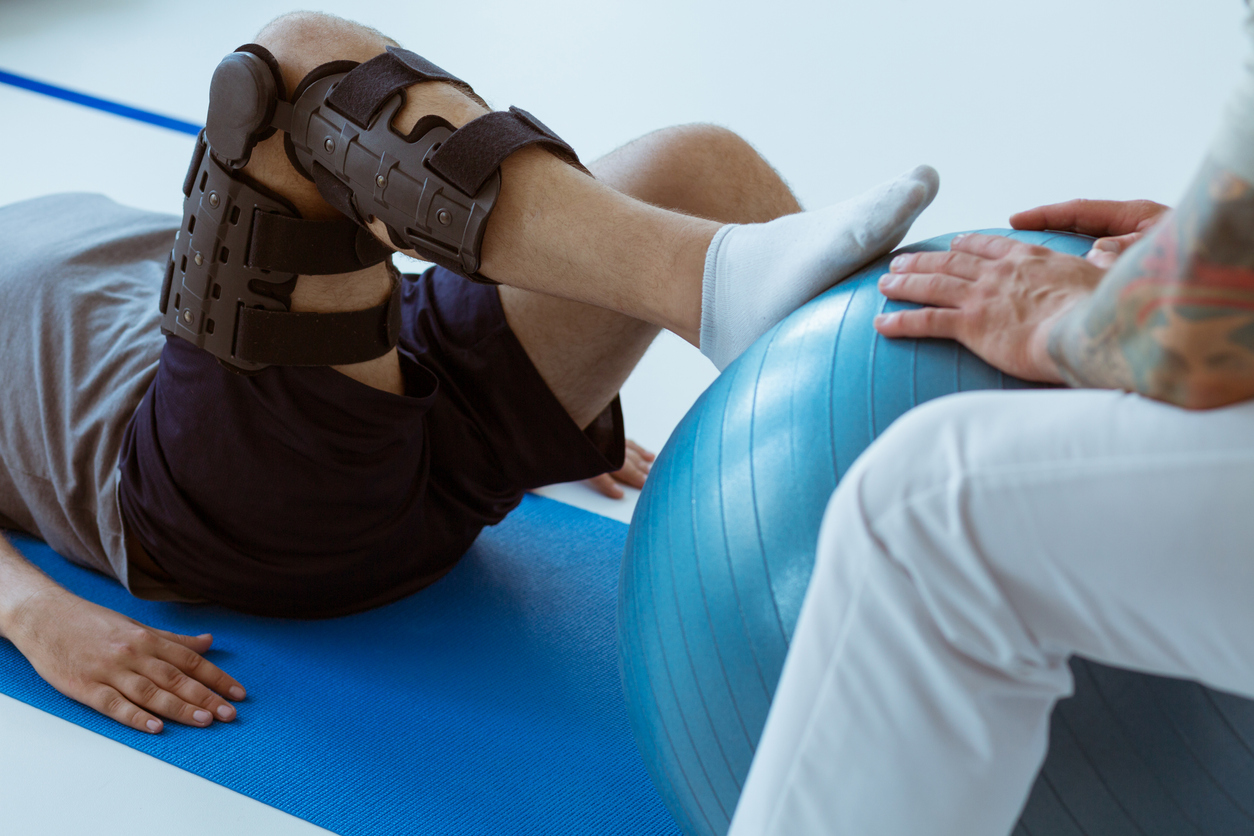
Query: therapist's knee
[[930, 446]]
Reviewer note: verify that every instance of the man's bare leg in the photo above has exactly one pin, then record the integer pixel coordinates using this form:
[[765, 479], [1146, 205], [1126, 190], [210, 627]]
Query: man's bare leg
[[585, 353]]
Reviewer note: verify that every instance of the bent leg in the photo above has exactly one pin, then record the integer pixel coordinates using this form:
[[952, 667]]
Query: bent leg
[[557, 231], [585, 353], [983, 540]]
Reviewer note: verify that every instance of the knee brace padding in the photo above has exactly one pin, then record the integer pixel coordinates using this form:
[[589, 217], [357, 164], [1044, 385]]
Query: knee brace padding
[[433, 188]]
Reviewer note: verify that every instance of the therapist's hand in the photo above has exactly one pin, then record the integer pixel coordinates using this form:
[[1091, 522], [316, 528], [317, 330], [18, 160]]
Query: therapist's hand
[[1117, 224], [119, 667], [998, 297]]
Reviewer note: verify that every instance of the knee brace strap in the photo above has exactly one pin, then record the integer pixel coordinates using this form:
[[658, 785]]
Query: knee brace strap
[[435, 188], [234, 264]]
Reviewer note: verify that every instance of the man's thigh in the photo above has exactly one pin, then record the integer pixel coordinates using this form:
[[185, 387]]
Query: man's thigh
[[584, 353]]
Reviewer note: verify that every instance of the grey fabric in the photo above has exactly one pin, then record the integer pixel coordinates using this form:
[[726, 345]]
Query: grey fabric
[[80, 341], [1234, 147]]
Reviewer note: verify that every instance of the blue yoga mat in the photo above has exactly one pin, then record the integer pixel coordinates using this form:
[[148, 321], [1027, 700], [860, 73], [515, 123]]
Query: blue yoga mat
[[488, 703]]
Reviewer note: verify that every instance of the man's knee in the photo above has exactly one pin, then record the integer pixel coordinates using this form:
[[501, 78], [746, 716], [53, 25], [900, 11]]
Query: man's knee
[[688, 157], [301, 41], [711, 172], [703, 143]]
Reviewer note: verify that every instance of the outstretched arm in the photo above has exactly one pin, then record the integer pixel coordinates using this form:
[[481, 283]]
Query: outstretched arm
[[106, 661], [1174, 317]]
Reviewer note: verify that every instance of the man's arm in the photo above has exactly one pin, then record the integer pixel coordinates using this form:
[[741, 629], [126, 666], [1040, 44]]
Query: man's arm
[[1174, 317], [106, 661]]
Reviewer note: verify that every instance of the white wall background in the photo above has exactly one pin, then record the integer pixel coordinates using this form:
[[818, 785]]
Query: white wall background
[[1016, 103]]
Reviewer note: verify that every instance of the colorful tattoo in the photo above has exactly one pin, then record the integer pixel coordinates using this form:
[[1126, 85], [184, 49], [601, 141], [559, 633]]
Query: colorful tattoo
[[1174, 317]]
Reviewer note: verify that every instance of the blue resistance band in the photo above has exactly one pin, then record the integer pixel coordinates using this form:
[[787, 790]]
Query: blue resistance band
[[96, 103]]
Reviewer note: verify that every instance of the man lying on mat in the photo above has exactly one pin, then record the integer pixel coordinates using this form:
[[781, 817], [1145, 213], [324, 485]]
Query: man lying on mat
[[310, 491]]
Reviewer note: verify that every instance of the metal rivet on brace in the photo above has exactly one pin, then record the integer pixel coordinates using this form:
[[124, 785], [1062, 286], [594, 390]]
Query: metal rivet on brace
[[329, 145], [380, 181], [213, 199], [444, 217], [199, 259], [187, 316]]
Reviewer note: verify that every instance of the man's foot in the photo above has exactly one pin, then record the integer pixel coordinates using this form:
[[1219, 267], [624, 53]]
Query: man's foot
[[757, 274]]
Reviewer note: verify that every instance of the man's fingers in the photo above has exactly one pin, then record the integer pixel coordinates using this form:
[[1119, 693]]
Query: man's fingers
[[1106, 251], [1119, 243], [924, 322], [633, 447], [110, 702], [1090, 217], [145, 693], [925, 288], [985, 246], [201, 669], [604, 484], [636, 464], [633, 473], [199, 643], [950, 262], [187, 689], [1101, 258]]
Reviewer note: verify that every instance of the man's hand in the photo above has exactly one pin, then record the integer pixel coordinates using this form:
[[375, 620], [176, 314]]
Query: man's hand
[[1117, 224], [119, 667], [634, 471], [997, 297]]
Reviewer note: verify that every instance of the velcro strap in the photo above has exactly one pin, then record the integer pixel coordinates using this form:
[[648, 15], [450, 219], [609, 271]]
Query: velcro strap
[[280, 338], [311, 248], [474, 152], [361, 94], [335, 192]]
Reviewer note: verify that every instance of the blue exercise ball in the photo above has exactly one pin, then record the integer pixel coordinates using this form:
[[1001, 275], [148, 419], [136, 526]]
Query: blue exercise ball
[[720, 553]]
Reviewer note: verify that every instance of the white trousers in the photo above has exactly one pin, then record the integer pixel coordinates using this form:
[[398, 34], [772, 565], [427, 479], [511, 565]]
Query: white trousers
[[984, 539]]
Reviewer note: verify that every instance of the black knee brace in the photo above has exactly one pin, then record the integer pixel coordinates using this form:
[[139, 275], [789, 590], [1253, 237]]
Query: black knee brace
[[434, 188], [241, 247]]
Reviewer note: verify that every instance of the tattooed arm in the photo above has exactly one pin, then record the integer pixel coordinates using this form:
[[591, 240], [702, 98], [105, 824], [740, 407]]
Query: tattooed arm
[[1174, 317]]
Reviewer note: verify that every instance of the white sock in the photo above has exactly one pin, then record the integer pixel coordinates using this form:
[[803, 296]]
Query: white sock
[[757, 274]]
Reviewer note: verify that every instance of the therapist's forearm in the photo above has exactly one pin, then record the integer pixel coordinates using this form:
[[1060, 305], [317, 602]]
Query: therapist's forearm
[[1173, 319]]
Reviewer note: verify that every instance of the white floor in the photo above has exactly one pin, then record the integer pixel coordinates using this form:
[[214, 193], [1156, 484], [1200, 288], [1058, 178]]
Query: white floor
[[1015, 103]]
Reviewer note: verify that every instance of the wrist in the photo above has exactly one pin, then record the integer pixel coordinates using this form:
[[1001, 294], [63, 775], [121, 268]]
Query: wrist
[[1044, 366], [21, 586], [1057, 338]]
